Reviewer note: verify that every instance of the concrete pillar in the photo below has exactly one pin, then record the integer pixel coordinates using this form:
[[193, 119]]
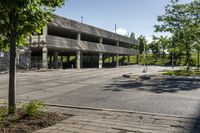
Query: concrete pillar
[[100, 40], [44, 57], [117, 60], [117, 56], [81, 59], [129, 60], [78, 36], [100, 60], [78, 59], [55, 60], [113, 59]]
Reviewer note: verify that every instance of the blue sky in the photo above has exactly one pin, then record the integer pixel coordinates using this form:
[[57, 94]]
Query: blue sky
[[138, 16]]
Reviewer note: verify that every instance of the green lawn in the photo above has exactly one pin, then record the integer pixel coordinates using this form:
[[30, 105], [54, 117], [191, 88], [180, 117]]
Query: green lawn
[[182, 72]]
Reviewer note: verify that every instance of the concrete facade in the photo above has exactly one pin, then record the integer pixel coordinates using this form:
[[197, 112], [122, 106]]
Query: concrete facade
[[66, 43]]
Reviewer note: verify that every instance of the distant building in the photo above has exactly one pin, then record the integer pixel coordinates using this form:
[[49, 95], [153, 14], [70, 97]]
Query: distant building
[[66, 43]]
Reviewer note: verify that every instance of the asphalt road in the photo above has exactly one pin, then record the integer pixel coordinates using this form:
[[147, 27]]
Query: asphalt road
[[106, 88]]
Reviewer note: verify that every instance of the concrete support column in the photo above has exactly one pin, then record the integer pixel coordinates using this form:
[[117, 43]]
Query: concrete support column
[[129, 60], [100, 60], [44, 57], [55, 60], [78, 59], [113, 59], [117, 60], [100, 40], [78, 36], [117, 56]]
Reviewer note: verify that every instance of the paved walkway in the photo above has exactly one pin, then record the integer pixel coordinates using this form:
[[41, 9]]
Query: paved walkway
[[90, 120]]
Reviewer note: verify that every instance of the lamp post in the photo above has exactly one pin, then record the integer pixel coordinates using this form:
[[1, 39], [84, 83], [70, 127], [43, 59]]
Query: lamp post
[[144, 54]]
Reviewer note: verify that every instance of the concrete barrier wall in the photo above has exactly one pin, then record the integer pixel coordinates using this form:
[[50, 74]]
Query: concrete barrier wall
[[71, 44]]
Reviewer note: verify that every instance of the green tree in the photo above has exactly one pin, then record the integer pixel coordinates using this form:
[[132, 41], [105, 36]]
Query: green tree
[[132, 36], [197, 49], [155, 47], [18, 20], [143, 42], [183, 21], [164, 42]]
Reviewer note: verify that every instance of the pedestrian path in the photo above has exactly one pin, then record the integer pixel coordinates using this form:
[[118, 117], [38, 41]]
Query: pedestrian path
[[93, 120]]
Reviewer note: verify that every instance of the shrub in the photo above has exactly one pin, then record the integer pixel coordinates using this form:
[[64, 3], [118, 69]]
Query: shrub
[[3, 113], [33, 108]]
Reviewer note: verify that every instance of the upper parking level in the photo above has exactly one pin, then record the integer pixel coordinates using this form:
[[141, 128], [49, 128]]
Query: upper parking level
[[61, 26]]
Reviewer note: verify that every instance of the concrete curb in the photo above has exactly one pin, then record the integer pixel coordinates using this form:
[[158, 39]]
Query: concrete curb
[[160, 76], [116, 110]]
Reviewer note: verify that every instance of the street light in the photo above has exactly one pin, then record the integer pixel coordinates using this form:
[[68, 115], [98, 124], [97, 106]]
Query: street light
[[144, 54]]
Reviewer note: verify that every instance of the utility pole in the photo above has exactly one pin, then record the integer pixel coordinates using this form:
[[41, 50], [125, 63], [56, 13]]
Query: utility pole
[[173, 59], [115, 28], [82, 19], [145, 67]]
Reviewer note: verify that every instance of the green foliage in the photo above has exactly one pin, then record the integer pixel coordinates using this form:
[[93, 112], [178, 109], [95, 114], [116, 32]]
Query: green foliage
[[33, 108], [183, 21], [21, 18], [18, 20], [182, 72], [3, 113], [132, 36], [143, 42]]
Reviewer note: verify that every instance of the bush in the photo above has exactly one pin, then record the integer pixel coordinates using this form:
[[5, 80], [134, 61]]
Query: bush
[[3, 113], [33, 108]]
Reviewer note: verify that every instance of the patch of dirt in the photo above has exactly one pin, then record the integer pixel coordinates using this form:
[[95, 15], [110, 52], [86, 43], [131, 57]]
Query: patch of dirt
[[22, 124]]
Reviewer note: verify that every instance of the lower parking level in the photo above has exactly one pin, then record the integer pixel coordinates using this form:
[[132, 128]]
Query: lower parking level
[[106, 88]]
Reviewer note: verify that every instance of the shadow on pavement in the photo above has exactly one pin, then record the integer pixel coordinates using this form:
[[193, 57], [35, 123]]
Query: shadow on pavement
[[191, 125], [194, 125], [154, 85]]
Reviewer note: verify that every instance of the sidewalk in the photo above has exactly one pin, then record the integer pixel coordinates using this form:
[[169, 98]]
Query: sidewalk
[[92, 120]]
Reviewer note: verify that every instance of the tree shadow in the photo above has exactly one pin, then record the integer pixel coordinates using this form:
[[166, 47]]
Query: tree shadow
[[163, 85], [154, 85]]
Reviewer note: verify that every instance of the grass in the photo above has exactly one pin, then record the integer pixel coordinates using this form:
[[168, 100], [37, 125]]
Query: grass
[[182, 72], [33, 108]]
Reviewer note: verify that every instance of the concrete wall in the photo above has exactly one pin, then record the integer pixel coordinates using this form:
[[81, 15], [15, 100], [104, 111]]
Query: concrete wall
[[65, 43]]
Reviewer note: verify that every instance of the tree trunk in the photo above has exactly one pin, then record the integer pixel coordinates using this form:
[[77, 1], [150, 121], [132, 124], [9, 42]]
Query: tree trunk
[[172, 60], [188, 58], [198, 59], [163, 58], [12, 70]]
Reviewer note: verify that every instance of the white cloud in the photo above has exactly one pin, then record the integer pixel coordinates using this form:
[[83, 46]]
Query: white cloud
[[149, 39], [122, 31]]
